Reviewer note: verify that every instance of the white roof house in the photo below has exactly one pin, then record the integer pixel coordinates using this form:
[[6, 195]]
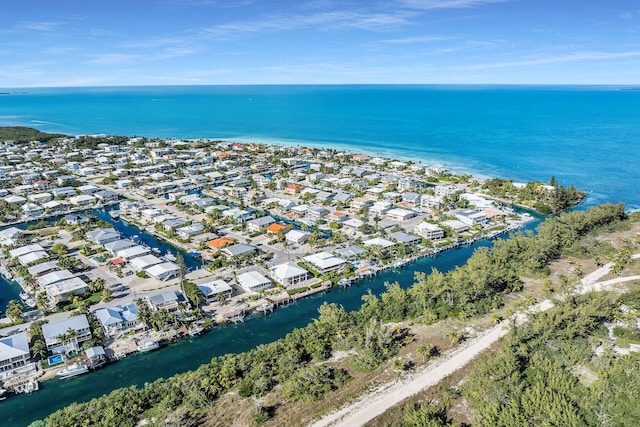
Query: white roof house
[[23, 250], [61, 290], [163, 271], [101, 236], [133, 252], [402, 237], [211, 288], [82, 200], [144, 262], [42, 268], [379, 242], [429, 231], [53, 277], [118, 319], [325, 262], [399, 214], [31, 210], [297, 237], [32, 257], [118, 245], [53, 330], [455, 225], [252, 281], [289, 274], [9, 236], [14, 351]]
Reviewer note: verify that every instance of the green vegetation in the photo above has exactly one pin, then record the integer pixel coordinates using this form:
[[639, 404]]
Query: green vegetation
[[299, 362], [535, 377], [25, 134], [546, 200]]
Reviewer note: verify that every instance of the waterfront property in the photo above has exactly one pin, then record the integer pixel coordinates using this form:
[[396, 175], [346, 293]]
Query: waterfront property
[[289, 274], [212, 288], [66, 335], [253, 281]]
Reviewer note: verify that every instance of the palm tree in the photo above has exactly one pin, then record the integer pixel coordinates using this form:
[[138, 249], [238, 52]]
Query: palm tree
[[39, 349], [425, 350], [72, 336]]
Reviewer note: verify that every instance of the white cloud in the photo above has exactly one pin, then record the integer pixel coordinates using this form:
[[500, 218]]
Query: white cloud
[[319, 21], [41, 26], [446, 4], [418, 39], [573, 57]]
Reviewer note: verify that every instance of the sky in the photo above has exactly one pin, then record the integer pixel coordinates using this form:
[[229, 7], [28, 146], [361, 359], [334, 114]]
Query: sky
[[190, 42]]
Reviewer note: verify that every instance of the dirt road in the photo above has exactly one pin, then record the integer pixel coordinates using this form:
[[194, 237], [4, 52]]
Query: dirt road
[[376, 403]]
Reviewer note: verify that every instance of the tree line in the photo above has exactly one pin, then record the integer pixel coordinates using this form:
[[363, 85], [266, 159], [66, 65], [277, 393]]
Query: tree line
[[298, 362]]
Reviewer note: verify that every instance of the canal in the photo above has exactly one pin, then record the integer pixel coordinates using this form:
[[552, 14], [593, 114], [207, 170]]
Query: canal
[[189, 353]]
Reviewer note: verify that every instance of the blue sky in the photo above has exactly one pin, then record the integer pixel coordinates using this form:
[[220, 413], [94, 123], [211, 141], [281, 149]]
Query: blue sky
[[161, 42]]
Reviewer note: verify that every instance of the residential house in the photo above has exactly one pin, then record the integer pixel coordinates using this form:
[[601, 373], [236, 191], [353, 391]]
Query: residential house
[[62, 290], [429, 231], [252, 281], [56, 334], [324, 262], [83, 200], [399, 214], [237, 250], [163, 271], [118, 320], [168, 300], [406, 238], [260, 223], [14, 353], [31, 210], [211, 288], [289, 274], [100, 236], [297, 237]]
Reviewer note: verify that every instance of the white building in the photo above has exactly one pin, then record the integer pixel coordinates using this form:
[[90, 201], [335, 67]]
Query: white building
[[53, 333], [14, 353], [399, 214], [144, 262], [163, 271], [211, 288], [429, 231], [325, 262], [289, 274], [252, 281]]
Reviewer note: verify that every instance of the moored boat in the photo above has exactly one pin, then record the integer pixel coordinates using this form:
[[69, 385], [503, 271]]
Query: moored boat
[[196, 331], [73, 370], [148, 345]]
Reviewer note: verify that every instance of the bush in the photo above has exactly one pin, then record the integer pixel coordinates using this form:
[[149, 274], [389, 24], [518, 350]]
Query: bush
[[141, 274], [631, 335]]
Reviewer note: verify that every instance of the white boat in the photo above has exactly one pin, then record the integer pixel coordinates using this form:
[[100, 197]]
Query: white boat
[[73, 370], [148, 345], [196, 331], [400, 263], [2, 393], [267, 307], [170, 257], [344, 282]]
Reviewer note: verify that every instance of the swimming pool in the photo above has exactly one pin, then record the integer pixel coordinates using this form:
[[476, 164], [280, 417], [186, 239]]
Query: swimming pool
[[54, 360]]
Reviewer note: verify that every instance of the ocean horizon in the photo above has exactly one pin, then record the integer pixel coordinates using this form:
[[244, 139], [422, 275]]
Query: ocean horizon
[[584, 135]]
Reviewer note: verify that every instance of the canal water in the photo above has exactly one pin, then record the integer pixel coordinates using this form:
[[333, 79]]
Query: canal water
[[189, 353]]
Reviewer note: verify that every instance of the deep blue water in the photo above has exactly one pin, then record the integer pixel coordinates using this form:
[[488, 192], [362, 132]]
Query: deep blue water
[[589, 136]]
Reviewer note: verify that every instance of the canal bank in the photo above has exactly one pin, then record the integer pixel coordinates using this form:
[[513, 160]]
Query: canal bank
[[188, 354]]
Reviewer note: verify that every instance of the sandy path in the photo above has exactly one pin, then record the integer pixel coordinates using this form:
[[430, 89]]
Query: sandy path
[[389, 395]]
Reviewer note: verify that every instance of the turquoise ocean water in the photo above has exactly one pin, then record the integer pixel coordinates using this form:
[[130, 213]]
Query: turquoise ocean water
[[589, 136]]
